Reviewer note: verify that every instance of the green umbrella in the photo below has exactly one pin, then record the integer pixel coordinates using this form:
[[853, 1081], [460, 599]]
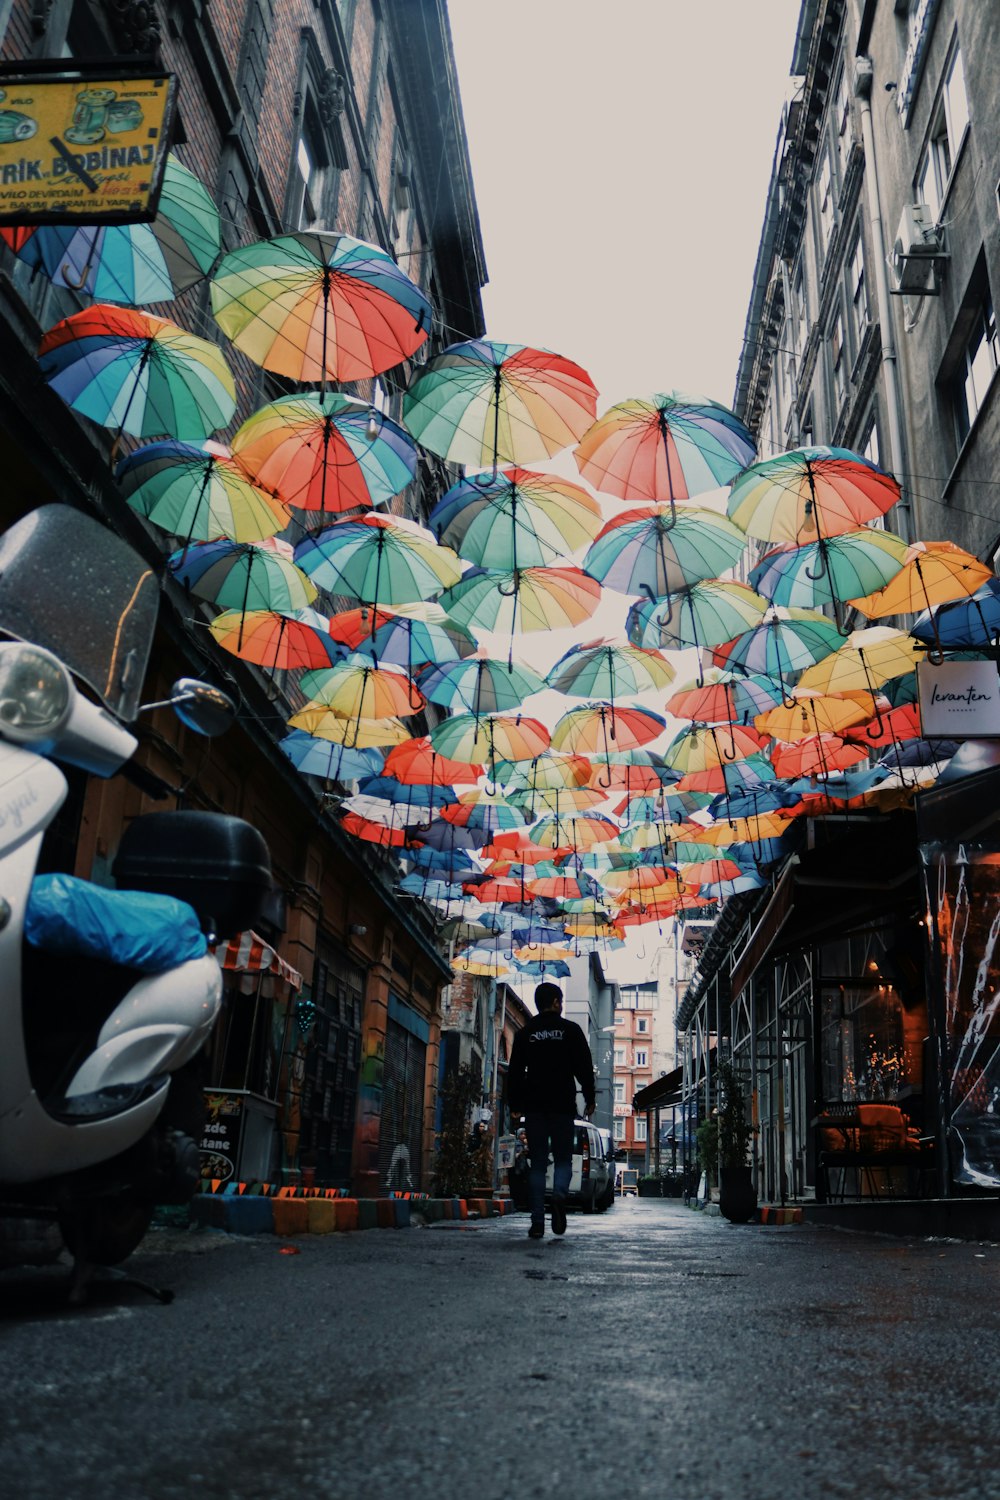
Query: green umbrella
[[479, 685]]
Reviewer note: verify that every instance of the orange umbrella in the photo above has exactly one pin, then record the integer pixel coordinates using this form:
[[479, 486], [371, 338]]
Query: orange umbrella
[[417, 762], [275, 641], [816, 756], [808, 712], [933, 573]]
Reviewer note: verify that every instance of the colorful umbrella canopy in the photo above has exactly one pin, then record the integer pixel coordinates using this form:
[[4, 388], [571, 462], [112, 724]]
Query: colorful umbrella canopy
[[974, 621], [578, 831], [410, 636], [933, 573], [549, 771], [131, 262], [702, 747], [382, 810], [355, 689], [326, 452], [482, 403], [480, 685], [599, 669], [667, 448], [729, 776], [315, 757], [818, 755], [373, 833], [600, 728], [492, 738], [274, 641], [241, 576], [865, 660], [813, 713], [704, 614], [808, 493], [143, 375], [419, 762], [355, 733], [515, 519], [830, 570], [656, 550], [315, 306], [729, 698], [890, 726], [531, 599], [783, 645], [378, 559], [198, 492]]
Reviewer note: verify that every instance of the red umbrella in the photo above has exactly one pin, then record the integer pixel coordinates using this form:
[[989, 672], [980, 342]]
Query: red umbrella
[[373, 833], [417, 762], [816, 756]]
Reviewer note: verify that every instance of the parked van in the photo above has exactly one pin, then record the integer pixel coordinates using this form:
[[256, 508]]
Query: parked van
[[592, 1184]]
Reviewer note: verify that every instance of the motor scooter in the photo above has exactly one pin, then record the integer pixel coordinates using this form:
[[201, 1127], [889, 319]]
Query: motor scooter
[[100, 1050]]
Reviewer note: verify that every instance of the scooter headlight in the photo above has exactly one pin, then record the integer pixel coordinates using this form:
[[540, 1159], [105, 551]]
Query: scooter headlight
[[35, 694]]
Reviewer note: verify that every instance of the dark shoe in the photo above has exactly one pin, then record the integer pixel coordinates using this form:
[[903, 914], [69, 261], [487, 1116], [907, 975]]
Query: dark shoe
[[558, 1216], [536, 1232]]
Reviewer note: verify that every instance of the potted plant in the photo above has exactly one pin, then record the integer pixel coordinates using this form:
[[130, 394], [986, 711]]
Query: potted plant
[[649, 1186], [737, 1194]]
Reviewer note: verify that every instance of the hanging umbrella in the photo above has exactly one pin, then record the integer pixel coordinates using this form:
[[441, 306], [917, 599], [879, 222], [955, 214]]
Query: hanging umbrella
[[315, 306], [831, 570], [487, 818], [480, 685], [783, 645], [560, 800], [517, 519], [326, 452], [974, 621], [196, 491], [726, 698], [656, 549], [599, 669], [917, 753], [315, 757], [383, 810], [482, 403], [865, 660], [410, 636], [355, 689], [131, 263], [809, 493], [703, 614], [423, 797], [419, 762], [729, 776], [891, 726], [669, 448], [342, 729], [275, 641], [549, 968], [378, 559], [241, 576], [549, 771], [143, 375], [703, 747], [811, 712], [933, 574], [492, 738], [578, 831], [374, 833], [599, 728], [530, 599], [817, 755]]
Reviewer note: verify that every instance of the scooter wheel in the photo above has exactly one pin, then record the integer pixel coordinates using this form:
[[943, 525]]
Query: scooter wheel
[[105, 1231]]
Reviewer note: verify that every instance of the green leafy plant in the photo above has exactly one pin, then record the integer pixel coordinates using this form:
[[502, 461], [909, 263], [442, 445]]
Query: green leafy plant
[[734, 1129], [459, 1163], [707, 1138]]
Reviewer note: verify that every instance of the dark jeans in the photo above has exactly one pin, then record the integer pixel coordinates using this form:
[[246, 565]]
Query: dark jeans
[[542, 1131]]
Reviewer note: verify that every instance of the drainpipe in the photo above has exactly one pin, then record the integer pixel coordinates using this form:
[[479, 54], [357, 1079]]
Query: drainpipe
[[863, 72]]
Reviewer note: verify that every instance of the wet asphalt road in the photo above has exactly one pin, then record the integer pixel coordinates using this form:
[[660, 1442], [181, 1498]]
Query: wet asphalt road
[[652, 1352]]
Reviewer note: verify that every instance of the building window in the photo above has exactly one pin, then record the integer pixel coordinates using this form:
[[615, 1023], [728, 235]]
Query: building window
[[619, 1093], [306, 200], [641, 1057], [858, 289], [619, 1057], [618, 1125], [842, 120], [838, 361], [869, 445], [800, 311], [948, 126], [641, 1023], [824, 202], [640, 1127], [977, 363]]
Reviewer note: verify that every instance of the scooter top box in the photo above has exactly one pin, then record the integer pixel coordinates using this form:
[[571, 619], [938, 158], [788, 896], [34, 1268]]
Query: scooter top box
[[218, 863]]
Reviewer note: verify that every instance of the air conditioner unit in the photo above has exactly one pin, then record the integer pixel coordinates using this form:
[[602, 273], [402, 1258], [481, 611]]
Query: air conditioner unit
[[918, 249]]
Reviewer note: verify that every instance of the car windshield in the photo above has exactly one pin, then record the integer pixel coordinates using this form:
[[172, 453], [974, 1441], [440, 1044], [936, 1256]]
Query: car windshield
[[72, 586]]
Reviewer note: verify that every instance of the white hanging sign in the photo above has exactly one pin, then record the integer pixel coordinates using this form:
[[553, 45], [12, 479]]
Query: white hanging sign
[[959, 699]]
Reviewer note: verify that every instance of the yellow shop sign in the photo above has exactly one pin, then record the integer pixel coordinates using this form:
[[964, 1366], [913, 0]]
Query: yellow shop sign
[[85, 148]]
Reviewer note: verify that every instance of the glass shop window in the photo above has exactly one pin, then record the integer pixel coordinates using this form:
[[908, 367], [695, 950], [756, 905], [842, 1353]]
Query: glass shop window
[[870, 1052]]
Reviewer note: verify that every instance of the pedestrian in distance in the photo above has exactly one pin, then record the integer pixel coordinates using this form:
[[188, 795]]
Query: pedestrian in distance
[[547, 1061]]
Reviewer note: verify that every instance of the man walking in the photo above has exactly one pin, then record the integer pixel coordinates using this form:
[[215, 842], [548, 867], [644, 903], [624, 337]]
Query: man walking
[[548, 1058]]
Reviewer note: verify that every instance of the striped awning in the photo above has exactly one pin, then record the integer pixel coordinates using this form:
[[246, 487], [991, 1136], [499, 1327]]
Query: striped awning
[[247, 953]]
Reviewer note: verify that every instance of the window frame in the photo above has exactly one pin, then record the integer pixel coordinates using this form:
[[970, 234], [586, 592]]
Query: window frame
[[942, 149]]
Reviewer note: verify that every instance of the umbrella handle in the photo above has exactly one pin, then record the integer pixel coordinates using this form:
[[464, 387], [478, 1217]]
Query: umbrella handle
[[873, 732]]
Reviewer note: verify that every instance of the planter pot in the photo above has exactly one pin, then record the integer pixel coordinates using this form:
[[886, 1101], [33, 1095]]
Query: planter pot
[[737, 1194], [649, 1190]]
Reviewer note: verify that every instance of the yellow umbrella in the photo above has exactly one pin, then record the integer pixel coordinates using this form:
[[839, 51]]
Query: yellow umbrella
[[543, 953], [485, 968], [813, 712], [363, 691], [745, 830], [866, 660], [933, 573], [359, 734]]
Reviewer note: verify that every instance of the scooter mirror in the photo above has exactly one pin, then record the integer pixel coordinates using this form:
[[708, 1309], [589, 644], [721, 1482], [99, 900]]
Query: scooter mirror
[[205, 709]]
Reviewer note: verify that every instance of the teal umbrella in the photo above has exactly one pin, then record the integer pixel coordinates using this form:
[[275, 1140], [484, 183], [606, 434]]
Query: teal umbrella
[[516, 518], [480, 685], [600, 669], [378, 559]]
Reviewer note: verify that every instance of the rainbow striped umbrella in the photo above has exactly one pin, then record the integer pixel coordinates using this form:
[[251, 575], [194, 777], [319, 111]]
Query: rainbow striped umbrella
[[378, 559], [808, 493], [657, 549], [198, 492], [515, 519], [315, 306]]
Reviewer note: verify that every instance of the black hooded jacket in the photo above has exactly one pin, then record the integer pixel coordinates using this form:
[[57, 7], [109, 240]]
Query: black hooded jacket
[[547, 1060]]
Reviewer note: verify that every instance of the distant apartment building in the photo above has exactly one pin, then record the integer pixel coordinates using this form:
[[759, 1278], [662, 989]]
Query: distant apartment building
[[634, 1031]]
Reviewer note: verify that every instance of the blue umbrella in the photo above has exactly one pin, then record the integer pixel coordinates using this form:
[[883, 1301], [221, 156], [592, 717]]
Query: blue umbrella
[[915, 753], [551, 969], [441, 861], [973, 621], [410, 793], [316, 757]]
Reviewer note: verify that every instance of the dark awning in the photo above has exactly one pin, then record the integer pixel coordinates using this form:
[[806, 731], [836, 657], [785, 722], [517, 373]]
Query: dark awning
[[662, 1091]]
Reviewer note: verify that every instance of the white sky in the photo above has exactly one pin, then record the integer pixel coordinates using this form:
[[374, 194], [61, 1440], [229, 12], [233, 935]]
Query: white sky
[[621, 154]]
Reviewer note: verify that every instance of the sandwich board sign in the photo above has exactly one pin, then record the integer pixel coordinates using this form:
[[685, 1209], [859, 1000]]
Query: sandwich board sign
[[86, 147], [958, 699]]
